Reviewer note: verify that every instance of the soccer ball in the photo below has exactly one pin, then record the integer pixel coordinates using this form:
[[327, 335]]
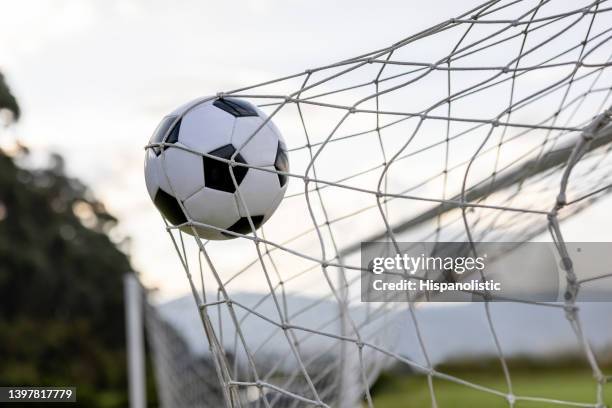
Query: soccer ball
[[219, 127]]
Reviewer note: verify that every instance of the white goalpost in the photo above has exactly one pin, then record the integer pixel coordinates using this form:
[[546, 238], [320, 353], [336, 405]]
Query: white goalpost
[[493, 126], [134, 324]]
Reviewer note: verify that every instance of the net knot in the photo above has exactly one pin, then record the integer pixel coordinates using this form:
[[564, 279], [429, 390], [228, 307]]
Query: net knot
[[511, 398], [600, 378], [570, 311]]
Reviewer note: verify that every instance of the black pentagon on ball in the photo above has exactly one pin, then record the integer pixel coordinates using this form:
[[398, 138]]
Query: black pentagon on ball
[[161, 131], [281, 163], [236, 107], [242, 226], [169, 207], [217, 174]]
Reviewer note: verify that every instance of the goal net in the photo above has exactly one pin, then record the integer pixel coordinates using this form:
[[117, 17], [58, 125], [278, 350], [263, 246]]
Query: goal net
[[490, 126]]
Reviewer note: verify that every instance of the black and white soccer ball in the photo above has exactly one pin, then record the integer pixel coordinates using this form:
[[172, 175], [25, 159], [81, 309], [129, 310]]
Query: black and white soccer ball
[[217, 127]]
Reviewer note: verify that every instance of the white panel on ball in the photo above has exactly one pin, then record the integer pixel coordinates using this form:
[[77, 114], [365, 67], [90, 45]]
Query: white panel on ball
[[206, 128], [212, 207], [161, 180], [151, 173], [259, 189], [261, 149], [275, 129], [185, 171]]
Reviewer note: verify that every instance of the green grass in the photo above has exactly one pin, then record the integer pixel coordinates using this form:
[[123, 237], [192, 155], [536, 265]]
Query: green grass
[[410, 391]]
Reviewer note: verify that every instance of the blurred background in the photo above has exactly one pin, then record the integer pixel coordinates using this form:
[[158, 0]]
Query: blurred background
[[93, 79], [83, 84]]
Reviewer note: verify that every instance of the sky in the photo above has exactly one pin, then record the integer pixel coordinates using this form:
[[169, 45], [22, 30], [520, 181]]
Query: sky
[[95, 77]]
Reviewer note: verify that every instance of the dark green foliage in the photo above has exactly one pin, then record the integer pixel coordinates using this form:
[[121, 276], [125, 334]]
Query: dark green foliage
[[7, 100], [50, 264], [61, 306], [61, 292]]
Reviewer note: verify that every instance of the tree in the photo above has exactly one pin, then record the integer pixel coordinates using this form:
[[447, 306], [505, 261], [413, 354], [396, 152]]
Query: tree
[[7, 100], [61, 303]]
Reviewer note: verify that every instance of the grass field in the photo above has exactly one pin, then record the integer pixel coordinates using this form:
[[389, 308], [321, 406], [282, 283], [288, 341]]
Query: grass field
[[565, 383]]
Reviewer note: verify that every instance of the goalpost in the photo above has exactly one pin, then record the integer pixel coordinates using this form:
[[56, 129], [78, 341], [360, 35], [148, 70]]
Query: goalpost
[[491, 126]]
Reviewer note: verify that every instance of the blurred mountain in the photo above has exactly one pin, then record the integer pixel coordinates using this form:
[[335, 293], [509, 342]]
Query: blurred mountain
[[451, 332], [61, 303]]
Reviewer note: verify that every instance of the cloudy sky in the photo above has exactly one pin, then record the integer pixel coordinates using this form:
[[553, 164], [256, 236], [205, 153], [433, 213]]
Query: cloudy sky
[[94, 78]]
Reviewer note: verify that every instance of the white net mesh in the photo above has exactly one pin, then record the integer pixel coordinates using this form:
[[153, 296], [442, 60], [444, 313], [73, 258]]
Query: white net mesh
[[492, 126]]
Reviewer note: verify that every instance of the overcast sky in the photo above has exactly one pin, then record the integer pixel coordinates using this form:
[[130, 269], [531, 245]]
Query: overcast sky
[[94, 77]]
